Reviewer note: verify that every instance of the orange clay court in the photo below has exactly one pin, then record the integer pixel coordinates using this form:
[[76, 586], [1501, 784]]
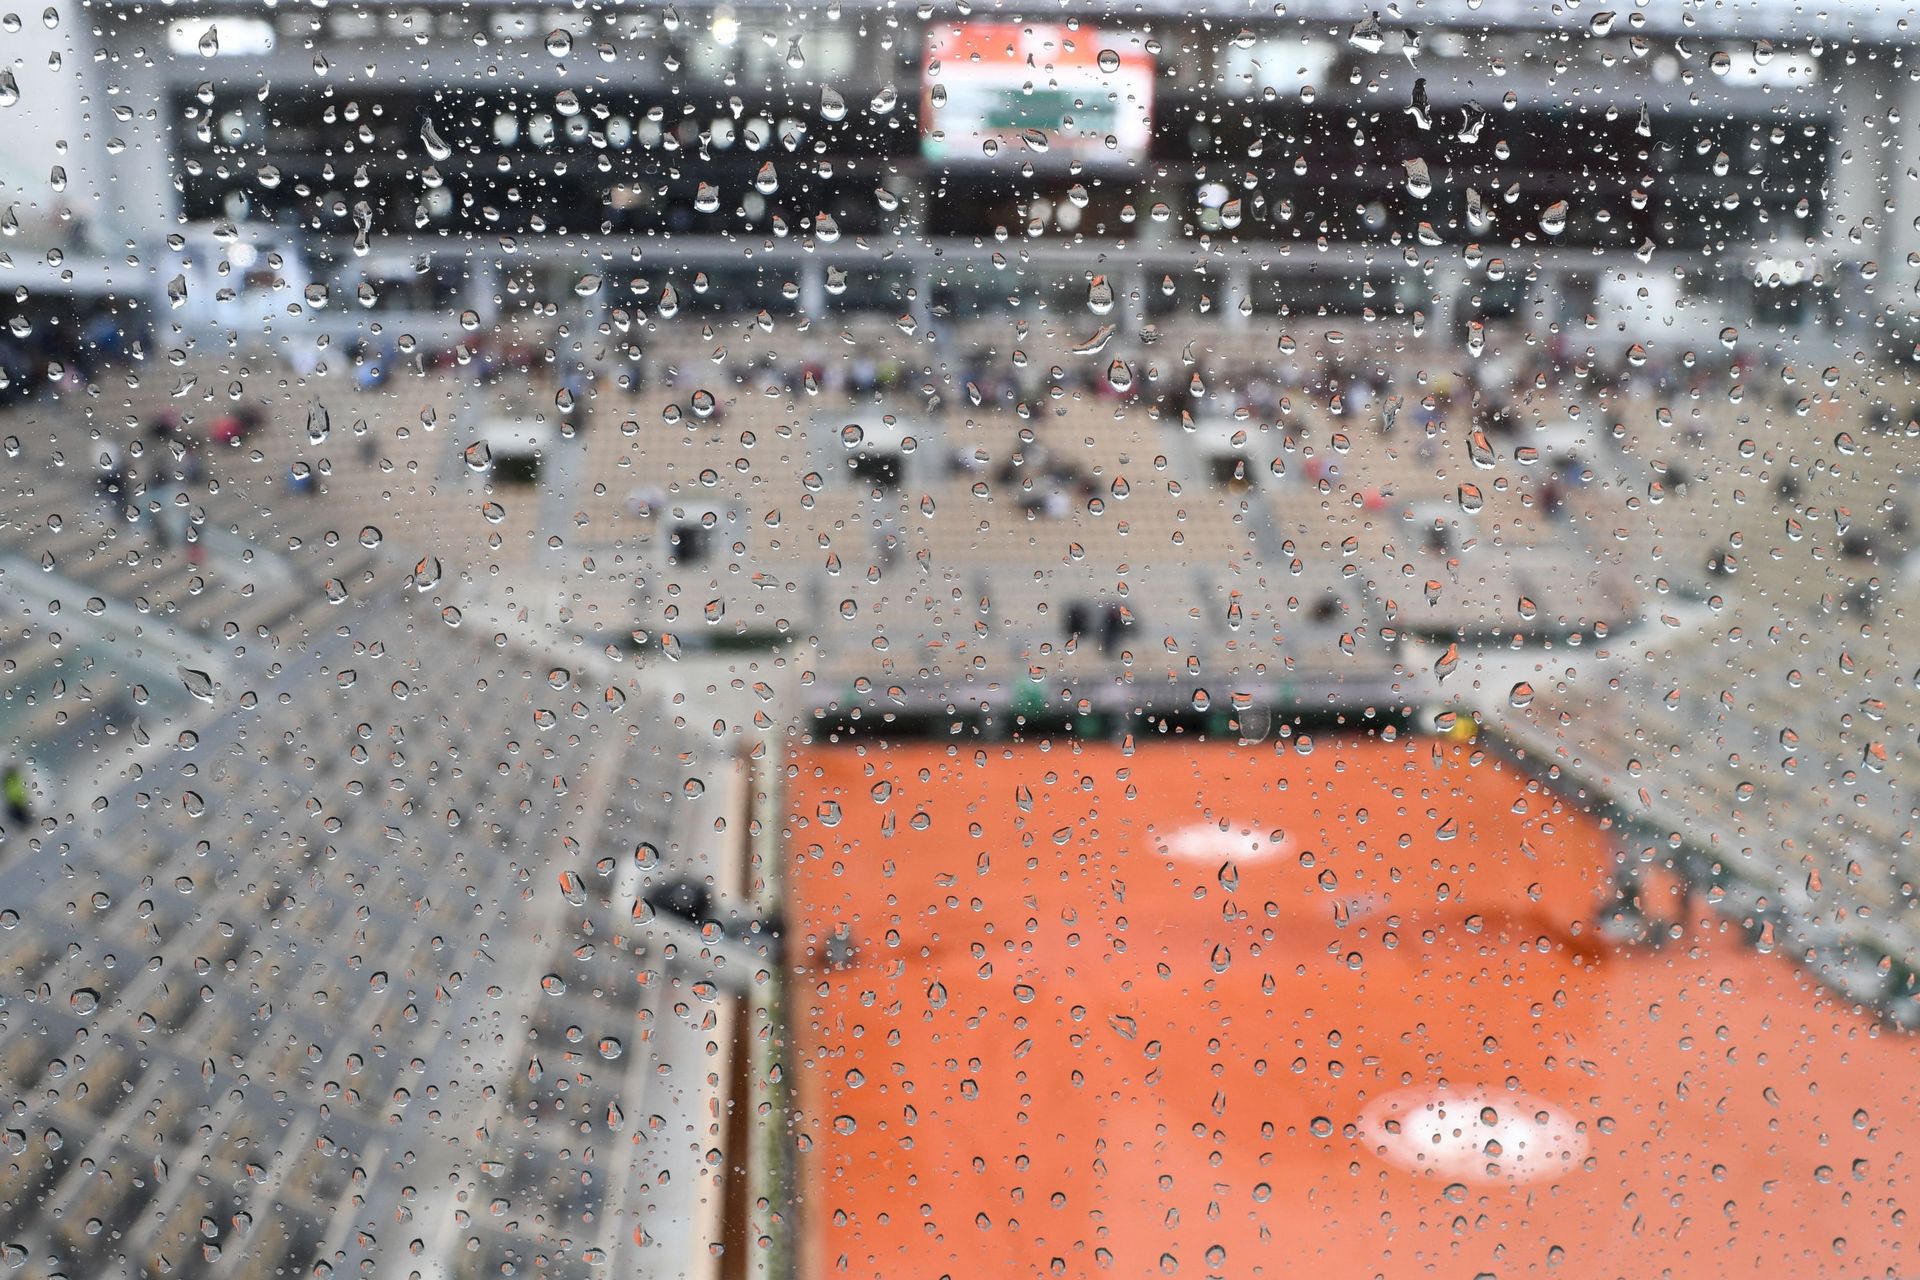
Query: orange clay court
[[1214, 1011]]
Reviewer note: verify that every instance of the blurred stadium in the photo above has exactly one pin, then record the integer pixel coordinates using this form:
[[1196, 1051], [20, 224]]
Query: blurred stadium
[[1361, 556]]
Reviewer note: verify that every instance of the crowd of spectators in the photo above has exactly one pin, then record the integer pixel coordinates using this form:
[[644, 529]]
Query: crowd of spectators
[[67, 347]]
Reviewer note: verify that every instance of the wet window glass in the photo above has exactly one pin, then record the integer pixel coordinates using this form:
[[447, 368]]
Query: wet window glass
[[731, 641]]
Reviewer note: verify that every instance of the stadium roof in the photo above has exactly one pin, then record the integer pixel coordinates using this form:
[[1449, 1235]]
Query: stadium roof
[[1775, 20]]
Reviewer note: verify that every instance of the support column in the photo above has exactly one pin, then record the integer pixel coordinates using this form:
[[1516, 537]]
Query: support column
[[138, 198], [813, 288], [1871, 202], [1238, 288]]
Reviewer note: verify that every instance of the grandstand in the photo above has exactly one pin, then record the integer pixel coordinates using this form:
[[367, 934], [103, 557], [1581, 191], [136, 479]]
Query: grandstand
[[946, 568], [270, 920], [895, 565]]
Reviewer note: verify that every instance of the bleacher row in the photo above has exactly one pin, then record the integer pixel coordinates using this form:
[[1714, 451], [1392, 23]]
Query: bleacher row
[[1362, 531], [1431, 526], [1766, 712], [280, 898]]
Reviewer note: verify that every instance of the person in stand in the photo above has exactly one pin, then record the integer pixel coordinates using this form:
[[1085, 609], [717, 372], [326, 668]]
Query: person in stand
[[193, 466], [151, 505], [1113, 621], [111, 484], [575, 388], [162, 486], [1552, 500], [17, 794], [1079, 622]]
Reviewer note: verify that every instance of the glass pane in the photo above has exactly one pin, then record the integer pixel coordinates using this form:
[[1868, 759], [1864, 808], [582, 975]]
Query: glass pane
[[742, 642]]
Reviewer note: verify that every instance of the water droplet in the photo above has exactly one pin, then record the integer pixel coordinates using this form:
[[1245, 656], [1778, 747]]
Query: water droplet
[[1419, 180], [1100, 296], [1480, 449], [426, 574], [430, 138], [1478, 219]]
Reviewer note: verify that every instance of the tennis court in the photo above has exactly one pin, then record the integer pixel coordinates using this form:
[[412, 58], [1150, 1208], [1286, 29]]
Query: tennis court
[[1212, 1010]]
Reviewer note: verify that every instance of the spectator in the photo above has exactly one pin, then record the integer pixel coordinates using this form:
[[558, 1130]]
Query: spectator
[[1077, 621], [193, 466], [17, 792], [1552, 499], [111, 484], [1114, 621], [161, 490]]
